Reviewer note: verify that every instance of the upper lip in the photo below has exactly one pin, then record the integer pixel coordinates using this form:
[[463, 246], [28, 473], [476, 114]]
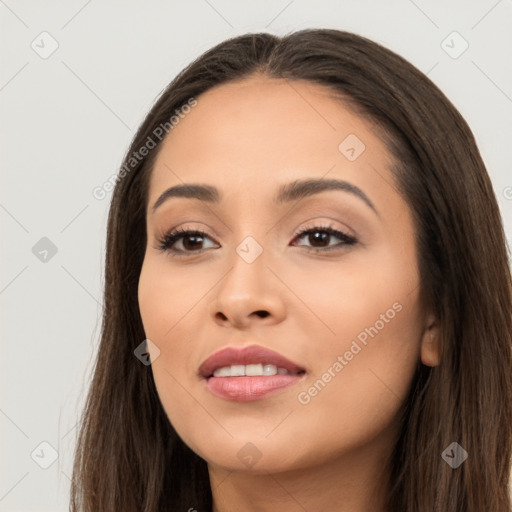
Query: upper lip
[[253, 354]]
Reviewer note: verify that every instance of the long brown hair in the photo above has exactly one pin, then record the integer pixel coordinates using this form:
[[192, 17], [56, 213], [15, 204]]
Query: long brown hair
[[128, 456]]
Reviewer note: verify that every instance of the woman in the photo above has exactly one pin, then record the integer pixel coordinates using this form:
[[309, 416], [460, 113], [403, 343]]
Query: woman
[[304, 243]]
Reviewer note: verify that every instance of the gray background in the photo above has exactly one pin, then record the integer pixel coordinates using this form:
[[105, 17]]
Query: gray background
[[67, 119]]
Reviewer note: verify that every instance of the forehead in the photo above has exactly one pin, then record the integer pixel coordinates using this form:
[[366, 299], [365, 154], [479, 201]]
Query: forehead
[[258, 133]]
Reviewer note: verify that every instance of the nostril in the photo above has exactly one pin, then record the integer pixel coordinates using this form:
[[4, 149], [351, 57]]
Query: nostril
[[262, 314]]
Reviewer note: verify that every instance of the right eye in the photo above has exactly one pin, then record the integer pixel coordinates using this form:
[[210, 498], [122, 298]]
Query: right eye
[[187, 237]]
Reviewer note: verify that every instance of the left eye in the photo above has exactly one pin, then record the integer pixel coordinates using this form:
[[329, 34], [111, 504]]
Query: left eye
[[325, 233], [191, 240]]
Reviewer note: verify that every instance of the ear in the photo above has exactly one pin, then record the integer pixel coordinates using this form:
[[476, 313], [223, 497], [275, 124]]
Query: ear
[[431, 343]]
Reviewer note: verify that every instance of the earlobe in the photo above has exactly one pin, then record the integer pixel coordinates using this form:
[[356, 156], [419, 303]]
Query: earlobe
[[431, 345]]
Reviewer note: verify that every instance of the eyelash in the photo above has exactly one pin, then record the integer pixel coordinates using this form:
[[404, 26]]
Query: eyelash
[[168, 239]]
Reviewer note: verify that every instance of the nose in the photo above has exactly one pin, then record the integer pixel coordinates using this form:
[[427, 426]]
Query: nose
[[248, 295]]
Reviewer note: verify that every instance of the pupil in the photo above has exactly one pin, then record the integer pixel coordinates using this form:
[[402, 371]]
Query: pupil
[[197, 238], [314, 239]]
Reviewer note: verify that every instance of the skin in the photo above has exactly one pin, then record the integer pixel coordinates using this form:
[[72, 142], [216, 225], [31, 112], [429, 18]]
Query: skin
[[247, 138]]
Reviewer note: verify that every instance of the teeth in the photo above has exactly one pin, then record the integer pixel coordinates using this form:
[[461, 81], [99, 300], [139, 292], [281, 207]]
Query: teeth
[[237, 370], [250, 370], [222, 372], [270, 369], [254, 369]]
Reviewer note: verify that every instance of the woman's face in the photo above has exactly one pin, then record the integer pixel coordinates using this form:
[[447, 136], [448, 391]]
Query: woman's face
[[344, 308]]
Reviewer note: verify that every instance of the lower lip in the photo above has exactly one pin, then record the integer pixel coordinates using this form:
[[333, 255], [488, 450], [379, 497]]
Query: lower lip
[[245, 389]]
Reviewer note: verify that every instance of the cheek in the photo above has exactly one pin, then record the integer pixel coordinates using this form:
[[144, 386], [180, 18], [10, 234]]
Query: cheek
[[164, 299], [366, 357], [361, 292], [153, 300], [357, 389], [166, 306]]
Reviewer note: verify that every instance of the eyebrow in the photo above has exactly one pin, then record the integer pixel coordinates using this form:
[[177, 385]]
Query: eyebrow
[[295, 190]]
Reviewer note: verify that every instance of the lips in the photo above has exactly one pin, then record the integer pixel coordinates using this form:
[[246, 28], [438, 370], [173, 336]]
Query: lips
[[253, 354], [254, 387]]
